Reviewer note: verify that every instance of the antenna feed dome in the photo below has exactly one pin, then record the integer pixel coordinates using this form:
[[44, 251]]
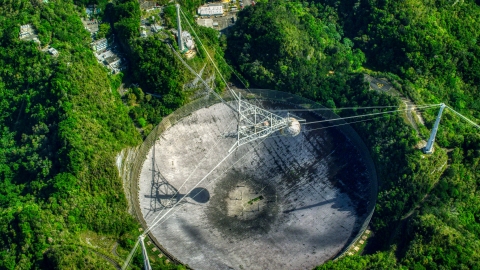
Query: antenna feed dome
[[293, 128]]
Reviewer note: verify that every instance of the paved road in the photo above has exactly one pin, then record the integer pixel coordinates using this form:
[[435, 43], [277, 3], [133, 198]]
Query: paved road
[[114, 249], [383, 85], [410, 106], [110, 260]]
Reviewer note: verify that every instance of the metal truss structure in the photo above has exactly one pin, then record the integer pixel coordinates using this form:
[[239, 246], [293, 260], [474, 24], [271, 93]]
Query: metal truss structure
[[255, 123]]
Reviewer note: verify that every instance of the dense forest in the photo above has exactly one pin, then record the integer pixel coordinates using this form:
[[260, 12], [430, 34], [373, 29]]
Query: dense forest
[[425, 217], [153, 65], [62, 120], [61, 127]]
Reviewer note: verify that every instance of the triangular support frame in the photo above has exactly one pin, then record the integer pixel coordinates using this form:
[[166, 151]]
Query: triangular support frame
[[255, 123]]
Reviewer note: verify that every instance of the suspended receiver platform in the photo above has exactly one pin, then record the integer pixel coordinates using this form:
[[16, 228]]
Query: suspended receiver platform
[[255, 123]]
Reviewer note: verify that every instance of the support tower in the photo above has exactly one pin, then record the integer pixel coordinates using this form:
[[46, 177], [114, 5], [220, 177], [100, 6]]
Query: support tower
[[429, 148], [146, 262], [179, 29]]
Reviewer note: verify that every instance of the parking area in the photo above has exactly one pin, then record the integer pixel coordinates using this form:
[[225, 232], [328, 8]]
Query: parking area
[[220, 23], [91, 25], [246, 2]]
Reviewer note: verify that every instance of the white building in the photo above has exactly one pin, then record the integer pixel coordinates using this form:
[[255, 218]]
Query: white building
[[113, 62], [53, 51], [25, 30], [156, 28], [188, 40], [210, 10], [100, 44], [116, 66]]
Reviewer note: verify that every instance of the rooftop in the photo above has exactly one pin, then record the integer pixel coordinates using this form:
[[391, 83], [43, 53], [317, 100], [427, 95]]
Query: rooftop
[[156, 28], [52, 51], [210, 10], [28, 33], [111, 59], [205, 22]]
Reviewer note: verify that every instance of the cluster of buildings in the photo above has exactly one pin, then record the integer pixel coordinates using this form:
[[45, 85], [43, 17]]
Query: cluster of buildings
[[27, 33], [151, 21], [110, 60], [92, 10], [221, 9], [106, 56], [103, 51], [148, 5], [149, 28], [186, 38], [219, 16]]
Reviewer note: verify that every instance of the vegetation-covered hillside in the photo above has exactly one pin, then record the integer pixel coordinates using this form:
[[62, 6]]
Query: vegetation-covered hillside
[[159, 76], [433, 46], [425, 217], [62, 125]]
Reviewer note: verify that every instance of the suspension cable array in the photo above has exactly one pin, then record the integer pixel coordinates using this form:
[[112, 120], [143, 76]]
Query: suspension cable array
[[464, 118], [200, 78], [254, 129], [209, 57], [371, 114]]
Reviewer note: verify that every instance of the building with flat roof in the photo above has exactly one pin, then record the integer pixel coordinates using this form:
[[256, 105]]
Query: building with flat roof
[[210, 10], [156, 28], [147, 5], [205, 22], [186, 39], [114, 63], [100, 45], [52, 51], [111, 59], [116, 66], [23, 35], [25, 30]]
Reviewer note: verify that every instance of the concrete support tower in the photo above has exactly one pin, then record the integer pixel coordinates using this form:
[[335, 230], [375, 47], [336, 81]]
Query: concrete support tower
[[146, 262], [429, 148], [179, 29]]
